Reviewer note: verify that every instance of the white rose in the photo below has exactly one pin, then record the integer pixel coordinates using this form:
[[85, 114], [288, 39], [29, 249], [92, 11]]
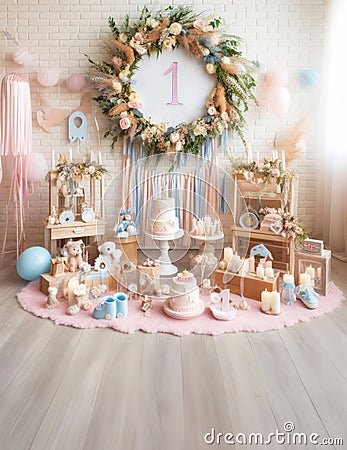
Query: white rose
[[207, 28], [153, 129], [211, 68], [174, 137], [226, 60], [199, 130], [175, 28], [205, 51], [152, 23], [123, 114], [169, 42], [117, 87], [224, 116], [163, 127]]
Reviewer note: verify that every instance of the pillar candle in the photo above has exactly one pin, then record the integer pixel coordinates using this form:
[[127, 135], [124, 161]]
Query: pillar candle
[[266, 300], [283, 160], [260, 271], [305, 279], [228, 254], [236, 263], [225, 294], [288, 278], [251, 264], [269, 272], [268, 264], [262, 261], [100, 159], [311, 271], [275, 302], [70, 153], [72, 285]]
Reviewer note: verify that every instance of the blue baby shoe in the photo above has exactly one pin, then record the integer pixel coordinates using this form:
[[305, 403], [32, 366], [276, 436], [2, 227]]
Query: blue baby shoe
[[122, 304], [308, 296], [106, 309]]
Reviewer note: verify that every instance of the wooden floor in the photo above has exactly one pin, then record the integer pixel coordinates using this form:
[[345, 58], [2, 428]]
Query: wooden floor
[[62, 388]]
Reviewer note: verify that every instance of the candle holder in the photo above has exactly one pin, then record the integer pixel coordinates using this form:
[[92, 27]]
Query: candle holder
[[318, 267]]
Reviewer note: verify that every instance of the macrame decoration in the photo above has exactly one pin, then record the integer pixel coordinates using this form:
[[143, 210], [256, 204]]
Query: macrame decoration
[[16, 141]]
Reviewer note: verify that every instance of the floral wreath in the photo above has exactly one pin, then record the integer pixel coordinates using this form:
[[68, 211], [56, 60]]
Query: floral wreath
[[166, 30]]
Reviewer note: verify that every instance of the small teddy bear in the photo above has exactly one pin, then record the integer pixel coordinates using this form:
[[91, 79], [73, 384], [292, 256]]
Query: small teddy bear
[[109, 253], [52, 301], [126, 227], [74, 254]]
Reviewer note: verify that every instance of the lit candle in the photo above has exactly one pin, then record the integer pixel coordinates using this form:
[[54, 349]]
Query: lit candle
[[53, 159], [228, 254], [283, 160], [266, 300], [260, 271], [268, 263], [275, 302], [311, 271], [251, 264], [269, 272], [304, 279], [225, 294], [70, 153]]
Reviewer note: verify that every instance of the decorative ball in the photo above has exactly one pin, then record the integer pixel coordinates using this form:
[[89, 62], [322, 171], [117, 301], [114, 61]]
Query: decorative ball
[[22, 57], [307, 78], [75, 82], [48, 77], [33, 262]]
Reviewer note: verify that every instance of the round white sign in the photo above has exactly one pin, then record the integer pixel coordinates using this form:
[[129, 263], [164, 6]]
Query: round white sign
[[173, 87]]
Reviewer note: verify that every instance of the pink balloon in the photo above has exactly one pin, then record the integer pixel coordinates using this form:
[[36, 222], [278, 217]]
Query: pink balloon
[[276, 78], [279, 101], [76, 82], [22, 57], [48, 77]]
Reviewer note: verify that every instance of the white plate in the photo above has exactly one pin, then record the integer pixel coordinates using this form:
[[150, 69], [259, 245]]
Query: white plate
[[221, 315]]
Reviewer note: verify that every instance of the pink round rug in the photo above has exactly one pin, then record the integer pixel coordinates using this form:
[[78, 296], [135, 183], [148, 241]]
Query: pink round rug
[[32, 300]]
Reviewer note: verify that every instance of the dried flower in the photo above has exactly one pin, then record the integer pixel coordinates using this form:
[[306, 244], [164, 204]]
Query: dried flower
[[175, 28], [210, 68]]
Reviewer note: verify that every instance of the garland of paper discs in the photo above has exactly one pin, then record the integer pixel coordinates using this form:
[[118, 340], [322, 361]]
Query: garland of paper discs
[[165, 30]]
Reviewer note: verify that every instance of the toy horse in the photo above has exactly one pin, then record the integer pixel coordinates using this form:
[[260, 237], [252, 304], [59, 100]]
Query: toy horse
[[261, 250]]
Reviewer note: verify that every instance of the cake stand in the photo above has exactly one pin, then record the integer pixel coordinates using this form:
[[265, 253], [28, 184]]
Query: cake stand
[[204, 238], [166, 266]]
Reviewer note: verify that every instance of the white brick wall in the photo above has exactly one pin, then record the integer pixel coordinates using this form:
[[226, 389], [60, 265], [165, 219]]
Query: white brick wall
[[283, 34]]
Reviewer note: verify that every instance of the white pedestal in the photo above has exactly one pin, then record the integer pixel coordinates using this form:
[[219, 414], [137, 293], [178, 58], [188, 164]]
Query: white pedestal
[[166, 266]]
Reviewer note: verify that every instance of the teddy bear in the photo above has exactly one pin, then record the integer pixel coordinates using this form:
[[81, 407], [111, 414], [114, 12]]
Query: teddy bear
[[125, 227], [110, 255], [52, 301], [74, 254]]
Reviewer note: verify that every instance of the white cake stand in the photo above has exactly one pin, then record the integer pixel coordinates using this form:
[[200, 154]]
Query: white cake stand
[[166, 266], [205, 238]]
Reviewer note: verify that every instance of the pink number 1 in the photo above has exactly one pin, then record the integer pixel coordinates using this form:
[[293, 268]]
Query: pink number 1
[[173, 69]]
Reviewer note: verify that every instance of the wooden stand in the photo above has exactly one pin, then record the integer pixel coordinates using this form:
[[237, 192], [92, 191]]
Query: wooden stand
[[56, 235], [128, 245], [282, 248], [253, 287]]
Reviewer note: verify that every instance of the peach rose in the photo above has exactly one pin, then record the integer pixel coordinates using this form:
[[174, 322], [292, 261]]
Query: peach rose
[[124, 123]]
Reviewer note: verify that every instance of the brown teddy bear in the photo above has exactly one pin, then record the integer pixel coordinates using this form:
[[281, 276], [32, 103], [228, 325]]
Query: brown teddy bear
[[74, 257]]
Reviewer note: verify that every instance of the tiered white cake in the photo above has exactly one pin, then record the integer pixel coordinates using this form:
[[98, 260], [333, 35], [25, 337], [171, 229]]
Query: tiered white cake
[[164, 221], [184, 294]]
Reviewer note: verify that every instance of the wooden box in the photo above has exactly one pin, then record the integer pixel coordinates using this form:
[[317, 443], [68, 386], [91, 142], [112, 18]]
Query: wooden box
[[253, 286], [93, 278], [321, 266], [128, 245]]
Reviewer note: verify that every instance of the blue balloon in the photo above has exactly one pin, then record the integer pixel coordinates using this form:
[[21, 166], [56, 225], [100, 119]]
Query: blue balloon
[[33, 262], [307, 78]]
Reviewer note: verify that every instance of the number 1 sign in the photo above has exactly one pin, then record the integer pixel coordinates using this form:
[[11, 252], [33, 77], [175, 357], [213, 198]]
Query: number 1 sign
[[173, 69]]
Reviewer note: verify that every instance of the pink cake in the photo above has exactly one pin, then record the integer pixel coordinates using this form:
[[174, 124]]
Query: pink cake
[[184, 294]]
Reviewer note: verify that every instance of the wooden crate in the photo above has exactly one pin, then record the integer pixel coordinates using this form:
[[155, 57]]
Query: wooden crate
[[128, 245], [281, 248], [253, 287], [322, 266], [94, 277]]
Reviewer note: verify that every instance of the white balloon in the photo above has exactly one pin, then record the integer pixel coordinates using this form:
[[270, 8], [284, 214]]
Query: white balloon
[[279, 101]]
